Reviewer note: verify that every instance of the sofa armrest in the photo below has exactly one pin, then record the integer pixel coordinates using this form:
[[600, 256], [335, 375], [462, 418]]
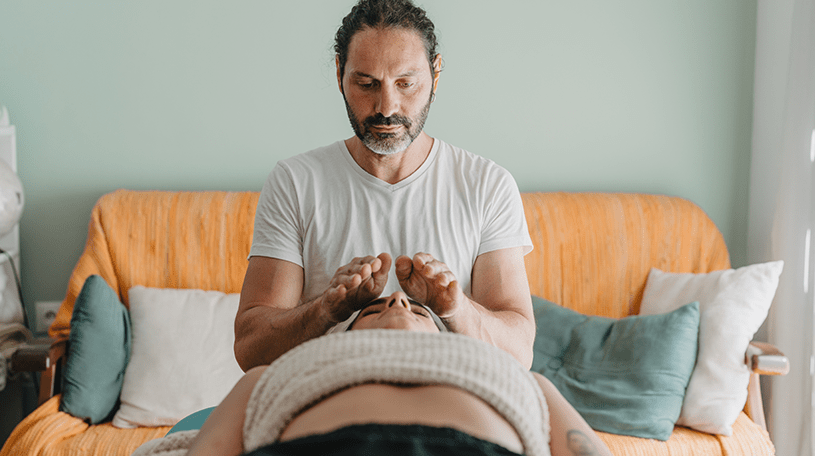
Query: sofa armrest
[[762, 359], [765, 359], [46, 356], [31, 356]]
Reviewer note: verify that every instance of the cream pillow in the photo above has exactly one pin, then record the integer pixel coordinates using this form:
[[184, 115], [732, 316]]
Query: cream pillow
[[182, 357], [733, 305]]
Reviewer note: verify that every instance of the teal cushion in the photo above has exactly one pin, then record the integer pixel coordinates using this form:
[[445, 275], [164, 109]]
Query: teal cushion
[[98, 352], [625, 376], [192, 422]]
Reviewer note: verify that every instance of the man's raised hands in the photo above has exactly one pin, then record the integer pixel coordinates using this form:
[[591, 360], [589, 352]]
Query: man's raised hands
[[423, 278], [429, 281], [356, 284]]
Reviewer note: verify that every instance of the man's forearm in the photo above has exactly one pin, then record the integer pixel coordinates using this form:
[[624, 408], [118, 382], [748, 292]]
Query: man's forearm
[[271, 319], [500, 309], [508, 330], [263, 333]]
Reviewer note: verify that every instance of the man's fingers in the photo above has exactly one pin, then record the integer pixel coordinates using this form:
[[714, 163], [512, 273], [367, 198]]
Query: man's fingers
[[434, 268], [384, 264], [356, 262], [363, 269], [431, 268], [374, 262], [421, 259], [348, 280], [453, 287], [444, 279], [355, 284], [380, 276], [404, 267], [366, 265]]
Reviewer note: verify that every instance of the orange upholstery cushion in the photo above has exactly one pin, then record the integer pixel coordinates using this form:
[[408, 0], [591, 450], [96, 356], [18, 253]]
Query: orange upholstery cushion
[[50, 432], [747, 438], [164, 240], [593, 251]]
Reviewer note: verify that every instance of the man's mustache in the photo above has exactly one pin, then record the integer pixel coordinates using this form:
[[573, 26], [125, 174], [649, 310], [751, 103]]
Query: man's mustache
[[380, 120]]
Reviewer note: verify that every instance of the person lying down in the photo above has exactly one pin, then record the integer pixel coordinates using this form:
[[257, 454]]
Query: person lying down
[[396, 382]]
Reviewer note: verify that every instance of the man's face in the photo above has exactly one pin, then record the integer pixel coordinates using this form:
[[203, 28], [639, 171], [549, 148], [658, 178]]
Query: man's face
[[387, 87], [395, 312]]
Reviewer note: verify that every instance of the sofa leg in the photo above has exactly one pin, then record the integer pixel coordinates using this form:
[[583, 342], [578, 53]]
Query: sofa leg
[[754, 407]]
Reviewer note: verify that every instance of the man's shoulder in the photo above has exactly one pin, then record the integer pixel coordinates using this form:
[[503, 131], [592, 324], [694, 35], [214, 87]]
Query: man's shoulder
[[463, 159], [321, 156]]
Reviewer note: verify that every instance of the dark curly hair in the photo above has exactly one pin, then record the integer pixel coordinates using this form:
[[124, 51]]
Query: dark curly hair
[[383, 14]]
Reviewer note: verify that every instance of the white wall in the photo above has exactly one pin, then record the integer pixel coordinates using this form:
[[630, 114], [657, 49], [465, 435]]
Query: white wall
[[626, 95]]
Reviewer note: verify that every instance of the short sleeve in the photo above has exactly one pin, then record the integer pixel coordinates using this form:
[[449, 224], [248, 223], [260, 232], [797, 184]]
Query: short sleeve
[[278, 231], [504, 218]]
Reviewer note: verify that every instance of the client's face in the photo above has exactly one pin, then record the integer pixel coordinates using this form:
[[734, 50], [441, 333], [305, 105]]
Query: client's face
[[395, 312]]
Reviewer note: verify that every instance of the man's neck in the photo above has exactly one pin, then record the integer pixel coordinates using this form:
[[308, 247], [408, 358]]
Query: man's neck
[[391, 168]]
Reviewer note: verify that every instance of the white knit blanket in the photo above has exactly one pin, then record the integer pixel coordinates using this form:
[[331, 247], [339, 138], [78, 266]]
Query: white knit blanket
[[323, 366]]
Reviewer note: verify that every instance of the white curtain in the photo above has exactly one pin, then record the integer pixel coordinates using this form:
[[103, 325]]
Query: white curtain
[[782, 208]]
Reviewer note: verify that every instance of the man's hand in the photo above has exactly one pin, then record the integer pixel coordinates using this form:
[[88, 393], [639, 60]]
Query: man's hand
[[273, 318], [354, 285], [430, 282]]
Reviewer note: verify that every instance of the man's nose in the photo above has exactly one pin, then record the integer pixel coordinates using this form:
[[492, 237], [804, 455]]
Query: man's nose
[[398, 299], [388, 101]]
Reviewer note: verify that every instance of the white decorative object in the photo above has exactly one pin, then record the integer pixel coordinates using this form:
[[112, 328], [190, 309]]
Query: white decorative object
[[11, 209], [733, 304], [182, 357], [11, 199]]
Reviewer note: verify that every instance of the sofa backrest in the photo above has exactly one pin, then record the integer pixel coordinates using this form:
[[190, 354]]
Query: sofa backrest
[[592, 251], [164, 240]]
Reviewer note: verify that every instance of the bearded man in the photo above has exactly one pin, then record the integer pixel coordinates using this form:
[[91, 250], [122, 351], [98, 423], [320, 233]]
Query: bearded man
[[330, 222]]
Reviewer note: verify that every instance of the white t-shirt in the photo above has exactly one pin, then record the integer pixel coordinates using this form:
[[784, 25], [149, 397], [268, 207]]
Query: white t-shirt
[[320, 209]]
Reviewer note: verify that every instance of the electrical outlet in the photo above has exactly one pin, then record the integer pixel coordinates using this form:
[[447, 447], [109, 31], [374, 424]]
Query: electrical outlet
[[46, 313]]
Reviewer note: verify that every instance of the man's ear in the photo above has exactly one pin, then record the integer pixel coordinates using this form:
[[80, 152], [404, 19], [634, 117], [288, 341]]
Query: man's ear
[[437, 65], [339, 76]]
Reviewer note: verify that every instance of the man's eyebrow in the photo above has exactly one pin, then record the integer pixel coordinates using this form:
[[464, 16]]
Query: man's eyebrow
[[406, 74], [360, 74]]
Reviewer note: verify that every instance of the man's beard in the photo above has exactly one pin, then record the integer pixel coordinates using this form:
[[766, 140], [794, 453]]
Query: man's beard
[[387, 143]]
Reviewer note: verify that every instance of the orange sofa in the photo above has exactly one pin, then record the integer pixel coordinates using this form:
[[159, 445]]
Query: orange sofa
[[593, 252]]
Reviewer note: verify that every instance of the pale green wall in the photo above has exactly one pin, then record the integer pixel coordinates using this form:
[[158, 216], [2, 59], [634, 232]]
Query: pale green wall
[[628, 95]]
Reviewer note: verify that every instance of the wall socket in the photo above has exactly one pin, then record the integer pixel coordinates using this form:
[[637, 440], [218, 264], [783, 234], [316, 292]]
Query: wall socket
[[46, 312]]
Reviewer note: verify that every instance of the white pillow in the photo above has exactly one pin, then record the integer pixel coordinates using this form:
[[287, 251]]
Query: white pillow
[[733, 304], [182, 357]]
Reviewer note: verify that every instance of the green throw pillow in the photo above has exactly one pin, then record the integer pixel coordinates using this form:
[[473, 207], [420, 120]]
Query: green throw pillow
[[625, 376], [98, 353]]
